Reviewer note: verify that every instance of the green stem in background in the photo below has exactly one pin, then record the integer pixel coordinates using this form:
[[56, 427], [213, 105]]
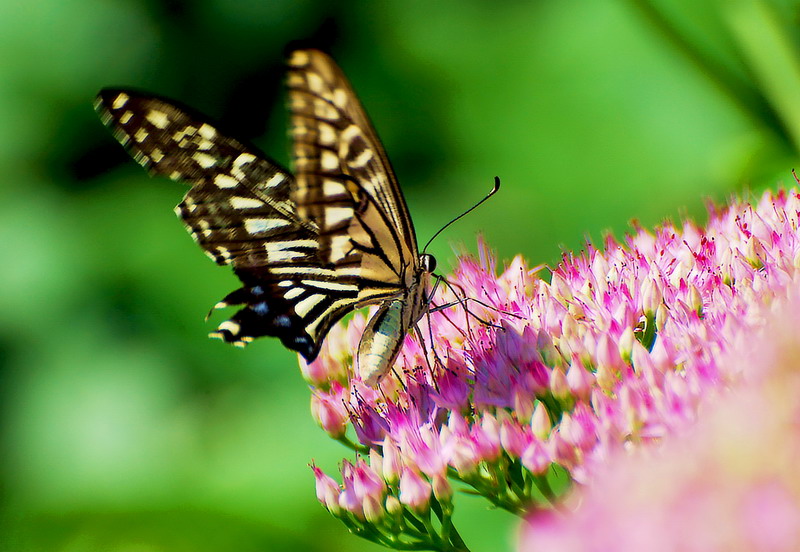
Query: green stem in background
[[357, 447], [772, 56], [740, 92]]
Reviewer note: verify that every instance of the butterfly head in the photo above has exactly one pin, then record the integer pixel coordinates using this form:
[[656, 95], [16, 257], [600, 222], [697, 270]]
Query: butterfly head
[[427, 262]]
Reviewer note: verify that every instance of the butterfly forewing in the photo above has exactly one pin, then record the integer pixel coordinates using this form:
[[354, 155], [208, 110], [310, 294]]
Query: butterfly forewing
[[334, 142]]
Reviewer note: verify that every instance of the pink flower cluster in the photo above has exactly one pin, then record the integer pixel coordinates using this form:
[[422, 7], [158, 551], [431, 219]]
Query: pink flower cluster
[[619, 348], [729, 483]]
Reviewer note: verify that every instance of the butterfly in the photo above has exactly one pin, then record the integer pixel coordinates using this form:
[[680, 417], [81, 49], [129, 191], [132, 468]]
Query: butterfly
[[308, 247]]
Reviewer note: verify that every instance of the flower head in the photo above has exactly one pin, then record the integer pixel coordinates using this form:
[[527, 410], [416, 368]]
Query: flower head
[[729, 483], [616, 349]]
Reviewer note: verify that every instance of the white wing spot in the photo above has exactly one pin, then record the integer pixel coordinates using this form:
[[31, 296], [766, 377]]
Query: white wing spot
[[362, 159], [294, 292], [327, 136], [275, 180], [305, 306], [331, 286], [157, 118], [224, 253], [299, 131], [324, 110], [120, 101], [261, 225], [204, 160], [329, 161], [156, 155], [315, 83], [243, 159], [299, 58], [230, 326], [294, 80], [207, 131], [205, 227], [225, 181], [125, 117], [340, 98], [349, 133], [140, 135], [341, 247], [337, 215], [245, 203], [333, 188], [310, 270], [279, 251]]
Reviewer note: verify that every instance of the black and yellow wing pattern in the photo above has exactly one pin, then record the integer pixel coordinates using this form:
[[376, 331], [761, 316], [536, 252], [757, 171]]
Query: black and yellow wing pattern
[[309, 247]]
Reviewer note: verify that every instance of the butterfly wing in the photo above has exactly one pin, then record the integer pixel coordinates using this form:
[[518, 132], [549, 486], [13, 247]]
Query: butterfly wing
[[309, 249], [240, 210], [336, 148]]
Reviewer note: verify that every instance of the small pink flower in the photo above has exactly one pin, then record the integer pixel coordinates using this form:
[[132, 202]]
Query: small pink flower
[[366, 481], [415, 492], [535, 457], [540, 422], [329, 411], [486, 437], [512, 436], [327, 490], [391, 463]]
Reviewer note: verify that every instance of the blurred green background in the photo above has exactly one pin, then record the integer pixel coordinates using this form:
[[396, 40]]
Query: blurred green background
[[123, 427]]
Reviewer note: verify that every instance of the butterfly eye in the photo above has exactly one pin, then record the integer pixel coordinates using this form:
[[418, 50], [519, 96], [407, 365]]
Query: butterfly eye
[[428, 262]]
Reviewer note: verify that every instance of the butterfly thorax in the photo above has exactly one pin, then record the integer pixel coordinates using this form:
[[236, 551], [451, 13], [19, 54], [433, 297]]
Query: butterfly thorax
[[383, 337]]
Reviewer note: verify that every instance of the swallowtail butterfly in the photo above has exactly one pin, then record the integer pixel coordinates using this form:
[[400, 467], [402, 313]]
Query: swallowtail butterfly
[[308, 247]]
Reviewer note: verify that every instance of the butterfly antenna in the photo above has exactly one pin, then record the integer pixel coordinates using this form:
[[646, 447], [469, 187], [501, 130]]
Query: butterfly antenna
[[490, 194]]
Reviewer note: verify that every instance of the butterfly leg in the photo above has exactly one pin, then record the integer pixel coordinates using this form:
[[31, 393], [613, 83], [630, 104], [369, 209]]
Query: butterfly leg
[[437, 360], [462, 300]]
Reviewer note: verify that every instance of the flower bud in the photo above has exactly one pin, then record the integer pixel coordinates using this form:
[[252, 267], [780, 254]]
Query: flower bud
[[626, 344], [561, 290], [696, 300], [327, 490], [579, 379], [393, 506], [547, 350], [486, 437], [349, 501], [651, 296], [442, 489], [558, 384], [512, 436], [373, 509], [415, 492], [392, 464], [662, 315], [536, 458], [329, 411], [540, 421], [755, 253]]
